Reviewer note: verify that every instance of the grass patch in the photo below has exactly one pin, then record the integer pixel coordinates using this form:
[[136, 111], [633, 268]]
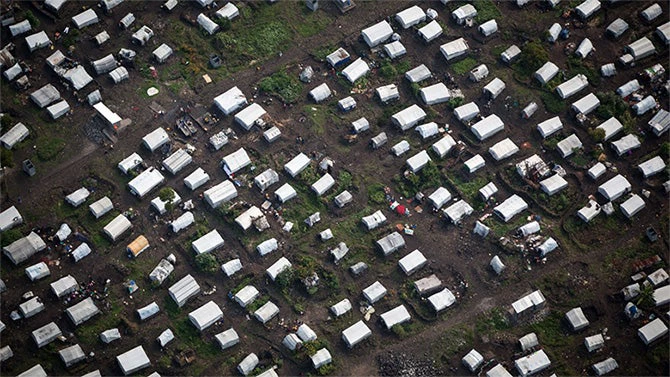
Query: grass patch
[[312, 23], [468, 188], [186, 334], [455, 340], [282, 85], [549, 330], [49, 148], [318, 115], [553, 103], [429, 176], [486, 10], [464, 66], [491, 321]]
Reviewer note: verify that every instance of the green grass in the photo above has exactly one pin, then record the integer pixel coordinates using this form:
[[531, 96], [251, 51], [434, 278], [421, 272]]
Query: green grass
[[312, 23], [491, 321], [469, 188], [486, 10], [456, 340], [500, 228], [286, 87], [553, 103], [319, 116], [464, 66], [49, 147]]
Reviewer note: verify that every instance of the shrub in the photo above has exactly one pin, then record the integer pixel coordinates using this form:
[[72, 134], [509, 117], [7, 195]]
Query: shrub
[[387, 70], [284, 86], [376, 194], [48, 148], [327, 369], [206, 263], [611, 105], [166, 194], [455, 102], [533, 55], [598, 134], [285, 278], [34, 21], [223, 23], [6, 121], [552, 103], [399, 331], [6, 158]]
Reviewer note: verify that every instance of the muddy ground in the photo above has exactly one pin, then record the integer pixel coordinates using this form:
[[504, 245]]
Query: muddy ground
[[593, 263]]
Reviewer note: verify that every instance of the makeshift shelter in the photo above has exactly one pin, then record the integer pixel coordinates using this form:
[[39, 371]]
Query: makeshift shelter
[[510, 207], [6, 353], [465, 113], [499, 370], [281, 265], [572, 86], [478, 73], [266, 179], [647, 103], [162, 53], [108, 5], [183, 290], [615, 187], [473, 360], [323, 184], [85, 18], [13, 72], [148, 311], [145, 182], [271, 134], [58, 109], [64, 286], [427, 285], [357, 69], [45, 96], [36, 371], [78, 197], [487, 127], [297, 164], [230, 101], [23, 248], [606, 365], [155, 139], [82, 312], [626, 144], [292, 342], [37, 41], [457, 211], [641, 48], [177, 161], [266, 312], [427, 130], [235, 161], [338, 57], [430, 31], [374, 292], [319, 94], [377, 33], [439, 197], [355, 334], [662, 295], [320, 358], [46, 334], [652, 166], [454, 49], [488, 28], [14, 136], [387, 93], [652, 331], [207, 243], [20, 28], [576, 319], [463, 13], [587, 8], [553, 32], [511, 54], [379, 140], [196, 179], [474, 163], [72, 355], [612, 127], [394, 50], [584, 49], [205, 315], [207, 24], [628, 88], [412, 262], [346, 103], [503, 149], [374, 220], [411, 16], [533, 363], [267, 246], [435, 94], [659, 123], [339, 252], [617, 27], [632, 206], [37, 271], [80, 252], [586, 104], [246, 295], [165, 337], [442, 299], [593, 343], [408, 117], [228, 338], [343, 198], [161, 272], [493, 88], [360, 125], [101, 38], [231, 267], [133, 361], [105, 64], [395, 316], [341, 307], [110, 335], [119, 74], [305, 333], [390, 243], [248, 116], [663, 32], [418, 74], [400, 148], [129, 163], [142, 35], [567, 146], [252, 216], [497, 265], [31, 307], [101, 207]]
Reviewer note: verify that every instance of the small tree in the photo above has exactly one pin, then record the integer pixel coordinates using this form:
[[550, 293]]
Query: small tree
[[598, 134], [534, 55], [646, 297], [206, 263], [166, 194]]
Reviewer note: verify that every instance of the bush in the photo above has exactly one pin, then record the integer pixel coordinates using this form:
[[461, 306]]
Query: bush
[[6, 121], [455, 102], [285, 278], [552, 103], [223, 23], [598, 134], [611, 105], [376, 194], [47, 149], [206, 263], [399, 331], [166, 194], [34, 21], [327, 369], [387, 70], [6, 158], [533, 56], [284, 86]]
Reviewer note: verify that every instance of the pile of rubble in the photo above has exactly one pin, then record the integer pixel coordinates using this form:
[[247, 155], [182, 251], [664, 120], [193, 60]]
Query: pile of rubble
[[392, 364]]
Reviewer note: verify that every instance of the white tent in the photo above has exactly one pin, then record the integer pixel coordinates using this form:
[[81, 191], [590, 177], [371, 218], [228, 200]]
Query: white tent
[[494, 88], [85, 18], [586, 104], [587, 8], [553, 184], [231, 267], [626, 144], [196, 179], [14, 136], [652, 166], [323, 184], [142, 35], [374, 220], [497, 265], [281, 265], [162, 53], [228, 338], [430, 31], [418, 74], [31, 307], [499, 370], [20, 28], [148, 311], [45, 335], [545, 73], [567, 146], [13, 72], [408, 117], [395, 316], [248, 116], [435, 94], [339, 252], [529, 228], [320, 93], [503, 149], [461, 14], [594, 342], [533, 363], [659, 123], [442, 300], [133, 360], [101, 207], [206, 23], [37, 271], [228, 11], [23, 248], [343, 198], [155, 139], [454, 48], [394, 49], [230, 101], [108, 5], [177, 161], [617, 27], [612, 127], [377, 33], [632, 206], [115, 228], [320, 358], [305, 333], [45, 95], [427, 285], [78, 197], [412, 262], [341, 307], [145, 182], [615, 187], [473, 360], [553, 32], [641, 48], [285, 193], [576, 319], [663, 32], [104, 64], [427, 130], [266, 179], [63, 286], [246, 295], [58, 109], [101, 38], [221, 193], [347, 103], [547, 246], [596, 170], [590, 211], [647, 103], [164, 338], [411, 16], [487, 127], [129, 163], [119, 74], [572, 86], [475, 163], [478, 73], [652, 331], [508, 56], [235, 161], [161, 272], [628, 88], [387, 93], [271, 134], [82, 312], [360, 125], [457, 211], [488, 28], [584, 49], [208, 242], [374, 292], [357, 69], [205, 315], [418, 161], [356, 333], [292, 341], [35, 371], [400, 148], [465, 113], [608, 364], [183, 290], [338, 57], [6, 353], [297, 164], [266, 312], [662, 295], [249, 217], [439, 197], [37, 41], [72, 355], [510, 207], [267, 246]]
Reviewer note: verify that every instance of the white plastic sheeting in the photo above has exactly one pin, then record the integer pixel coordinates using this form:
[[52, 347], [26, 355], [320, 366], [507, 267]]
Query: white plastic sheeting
[[133, 360], [408, 117], [208, 242], [320, 93], [586, 104], [487, 127], [9, 218], [145, 182], [553, 184], [431, 31], [615, 187], [418, 74], [494, 88], [395, 316], [457, 211], [221, 193], [435, 94], [454, 49], [641, 48], [418, 161], [442, 299], [357, 69], [465, 113], [356, 333], [411, 16], [503, 149], [248, 116], [572, 86], [510, 207], [632, 206], [567, 146], [205, 316], [626, 144], [377, 33], [230, 101]]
